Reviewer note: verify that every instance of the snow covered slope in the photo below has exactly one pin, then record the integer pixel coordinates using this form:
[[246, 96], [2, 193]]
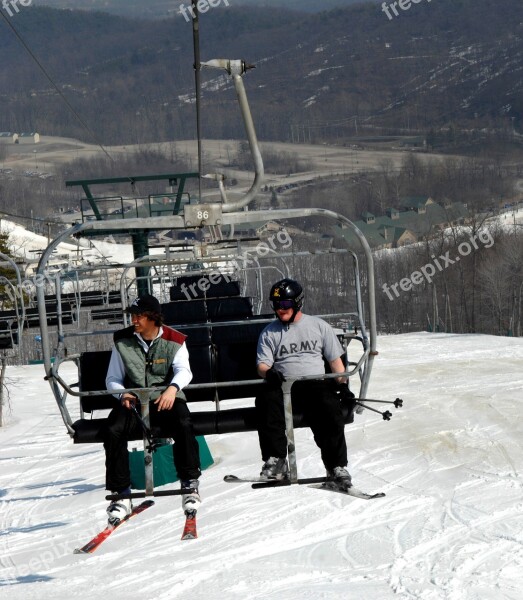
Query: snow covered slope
[[27, 245], [451, 525]]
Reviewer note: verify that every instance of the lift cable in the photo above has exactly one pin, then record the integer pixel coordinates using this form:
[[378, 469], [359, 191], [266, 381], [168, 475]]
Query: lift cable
[[55, 86]]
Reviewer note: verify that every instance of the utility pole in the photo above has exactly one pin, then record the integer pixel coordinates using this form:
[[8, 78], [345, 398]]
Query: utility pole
[[3, 366], [435, 308]]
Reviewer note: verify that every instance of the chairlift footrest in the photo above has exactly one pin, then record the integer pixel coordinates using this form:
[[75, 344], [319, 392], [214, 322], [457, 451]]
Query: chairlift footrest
[[284, 482], [154, 494]]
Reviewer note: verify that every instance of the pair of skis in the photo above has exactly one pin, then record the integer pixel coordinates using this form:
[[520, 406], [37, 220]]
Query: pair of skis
[[321, 483], [189, 529]]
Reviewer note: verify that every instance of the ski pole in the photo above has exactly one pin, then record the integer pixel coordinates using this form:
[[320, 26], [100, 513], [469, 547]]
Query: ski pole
[[398, 403], [386, 415], [146, 430]]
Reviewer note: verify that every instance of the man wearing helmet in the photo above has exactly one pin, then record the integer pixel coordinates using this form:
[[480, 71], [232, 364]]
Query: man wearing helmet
[[295, 345]]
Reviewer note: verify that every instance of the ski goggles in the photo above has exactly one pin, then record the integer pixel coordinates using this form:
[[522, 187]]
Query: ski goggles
[[283, 304]]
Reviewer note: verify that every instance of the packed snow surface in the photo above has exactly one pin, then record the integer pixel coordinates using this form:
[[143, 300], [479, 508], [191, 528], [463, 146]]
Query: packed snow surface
[[450, 526]]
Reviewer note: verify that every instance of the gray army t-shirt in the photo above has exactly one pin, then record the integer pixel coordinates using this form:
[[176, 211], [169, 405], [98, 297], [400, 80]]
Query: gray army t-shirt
[[297, 350]]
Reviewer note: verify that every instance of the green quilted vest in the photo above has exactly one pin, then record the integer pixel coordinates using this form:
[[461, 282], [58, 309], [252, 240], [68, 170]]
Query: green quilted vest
[[153, 368]]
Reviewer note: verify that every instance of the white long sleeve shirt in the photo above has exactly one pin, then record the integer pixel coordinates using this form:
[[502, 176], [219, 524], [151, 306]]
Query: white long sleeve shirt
[[182, 374]]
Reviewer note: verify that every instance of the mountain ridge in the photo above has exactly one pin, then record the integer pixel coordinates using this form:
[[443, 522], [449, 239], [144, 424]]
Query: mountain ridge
[[157, 9], [350, 72]]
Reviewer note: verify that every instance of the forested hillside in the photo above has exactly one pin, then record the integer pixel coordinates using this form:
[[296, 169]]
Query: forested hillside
[[439, 69]]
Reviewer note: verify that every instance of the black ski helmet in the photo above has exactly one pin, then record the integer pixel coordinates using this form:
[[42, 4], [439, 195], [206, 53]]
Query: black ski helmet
[[288, 289]]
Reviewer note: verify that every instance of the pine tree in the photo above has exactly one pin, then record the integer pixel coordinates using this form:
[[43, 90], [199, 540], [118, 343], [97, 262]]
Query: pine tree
[[7, 272], [6, 296]]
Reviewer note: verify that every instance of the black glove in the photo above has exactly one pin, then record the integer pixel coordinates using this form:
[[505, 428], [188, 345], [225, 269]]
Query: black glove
[[344, 392], [274, 378]]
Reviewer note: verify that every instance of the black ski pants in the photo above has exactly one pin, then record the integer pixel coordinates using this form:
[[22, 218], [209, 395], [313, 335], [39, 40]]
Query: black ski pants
[[123, 425], [321, 406]]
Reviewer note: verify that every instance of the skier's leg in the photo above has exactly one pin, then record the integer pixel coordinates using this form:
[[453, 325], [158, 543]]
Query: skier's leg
[[121, 426], [271, 423], [322, 409], [178, 423]]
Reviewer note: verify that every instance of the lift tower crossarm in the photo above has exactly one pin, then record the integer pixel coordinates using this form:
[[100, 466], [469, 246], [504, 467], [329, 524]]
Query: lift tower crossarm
[[173, 179]]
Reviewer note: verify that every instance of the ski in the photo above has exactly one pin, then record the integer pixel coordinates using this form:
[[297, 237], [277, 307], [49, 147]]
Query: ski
[[234, 479], [262, 482], [189, 529], [331, 486], [321, 483], [103, 535]]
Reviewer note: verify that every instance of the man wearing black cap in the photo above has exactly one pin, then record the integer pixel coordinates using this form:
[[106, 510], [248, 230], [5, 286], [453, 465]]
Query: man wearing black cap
[[149, 354]]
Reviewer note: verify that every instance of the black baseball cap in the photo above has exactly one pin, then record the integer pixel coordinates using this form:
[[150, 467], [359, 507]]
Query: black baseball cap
[[145, 303]]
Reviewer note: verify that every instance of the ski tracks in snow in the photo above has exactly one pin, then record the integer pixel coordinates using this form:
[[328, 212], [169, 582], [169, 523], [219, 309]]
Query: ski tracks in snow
[[450, 527]]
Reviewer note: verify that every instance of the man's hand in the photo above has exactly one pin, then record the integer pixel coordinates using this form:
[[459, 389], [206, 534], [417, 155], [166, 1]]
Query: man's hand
[[127, 399], [167, 398], [274, 378], [344, 392]]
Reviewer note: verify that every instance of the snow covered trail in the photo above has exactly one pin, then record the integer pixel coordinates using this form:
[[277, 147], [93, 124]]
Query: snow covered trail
[[450, 527]]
